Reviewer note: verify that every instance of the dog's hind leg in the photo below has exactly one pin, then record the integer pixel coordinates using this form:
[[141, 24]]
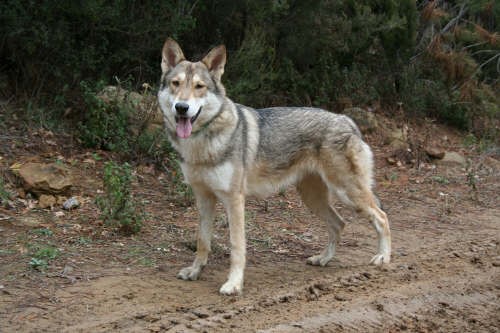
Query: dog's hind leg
[[351, 180], [205, 202], [365, 202], [315, 194], [359, 196]]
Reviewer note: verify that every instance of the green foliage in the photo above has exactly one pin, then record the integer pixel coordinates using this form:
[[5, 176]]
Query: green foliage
[[439, 59], [49, 44], [105, 125], [118, 207], [331, 50], [117, 120], [458, 58], [43, 232], [43, 256]]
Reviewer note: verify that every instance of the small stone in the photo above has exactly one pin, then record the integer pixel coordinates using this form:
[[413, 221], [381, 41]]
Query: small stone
[[59, 213], [435, 152], [71, 203], [46, 201], [391, 160], [201, 313]]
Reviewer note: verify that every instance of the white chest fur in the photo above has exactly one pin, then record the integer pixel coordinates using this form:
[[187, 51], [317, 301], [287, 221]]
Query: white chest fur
[[218, 178]]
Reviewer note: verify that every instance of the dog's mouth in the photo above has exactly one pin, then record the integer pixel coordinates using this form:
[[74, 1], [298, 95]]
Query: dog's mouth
[[185, 125]]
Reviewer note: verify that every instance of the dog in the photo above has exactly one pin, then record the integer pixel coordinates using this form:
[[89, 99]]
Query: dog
[[229, 151]]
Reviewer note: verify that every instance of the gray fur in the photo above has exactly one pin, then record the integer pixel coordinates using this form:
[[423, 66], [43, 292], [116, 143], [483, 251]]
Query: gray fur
[[287, 132]]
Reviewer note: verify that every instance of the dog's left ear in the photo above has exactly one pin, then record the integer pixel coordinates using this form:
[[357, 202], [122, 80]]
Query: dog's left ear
[[215, 60]]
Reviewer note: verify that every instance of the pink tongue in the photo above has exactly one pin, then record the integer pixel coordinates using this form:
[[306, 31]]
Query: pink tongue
[[184, 127]]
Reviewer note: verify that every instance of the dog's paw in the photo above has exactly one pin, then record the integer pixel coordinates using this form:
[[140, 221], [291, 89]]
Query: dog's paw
[[230, 288], [189, 273], [318, 260], [380, 258]]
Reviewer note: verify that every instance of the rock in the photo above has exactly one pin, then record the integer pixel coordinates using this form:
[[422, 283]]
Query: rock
[[391, 160], [453, 158], [71, 203], [398, 139], [365, 120], [435, 152], [492, 163], [201, 313], [60, 200], [40, 178], [46, 201]]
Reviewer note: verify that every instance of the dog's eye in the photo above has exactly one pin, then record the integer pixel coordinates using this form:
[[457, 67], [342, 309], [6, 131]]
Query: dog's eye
[[199, 86], [175, 83]]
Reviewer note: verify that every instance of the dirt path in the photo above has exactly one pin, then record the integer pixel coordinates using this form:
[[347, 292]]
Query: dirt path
[[444, 275]]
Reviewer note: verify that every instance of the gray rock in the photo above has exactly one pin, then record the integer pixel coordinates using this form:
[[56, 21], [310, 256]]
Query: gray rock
[[71, 203], [365, 120], [398, 139], [453, 158]]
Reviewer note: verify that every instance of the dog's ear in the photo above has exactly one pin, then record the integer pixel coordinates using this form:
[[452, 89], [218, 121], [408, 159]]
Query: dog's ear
[[215, 60], [171, 55]]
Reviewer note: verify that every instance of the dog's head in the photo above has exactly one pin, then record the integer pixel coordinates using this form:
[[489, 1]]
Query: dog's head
[[191, 93]]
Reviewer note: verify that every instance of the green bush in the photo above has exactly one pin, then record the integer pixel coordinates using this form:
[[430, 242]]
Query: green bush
[[47, 45], [105, 124], [42, 257], [280, 52], [118, 207]]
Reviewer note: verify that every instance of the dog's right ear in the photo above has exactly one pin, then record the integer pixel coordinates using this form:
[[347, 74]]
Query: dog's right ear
[[171, 55]]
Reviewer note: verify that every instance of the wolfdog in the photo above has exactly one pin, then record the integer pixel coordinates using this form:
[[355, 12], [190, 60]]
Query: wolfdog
[[228, 151]]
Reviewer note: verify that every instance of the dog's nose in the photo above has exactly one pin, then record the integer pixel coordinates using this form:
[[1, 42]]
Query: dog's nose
[[181, 107]]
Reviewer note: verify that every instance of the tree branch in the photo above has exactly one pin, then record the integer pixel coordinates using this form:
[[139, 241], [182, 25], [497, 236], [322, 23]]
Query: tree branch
[[455, 20]]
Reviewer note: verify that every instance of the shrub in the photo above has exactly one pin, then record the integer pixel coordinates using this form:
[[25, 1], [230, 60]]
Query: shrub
[[42, 257], [105, 124], [118, 207]]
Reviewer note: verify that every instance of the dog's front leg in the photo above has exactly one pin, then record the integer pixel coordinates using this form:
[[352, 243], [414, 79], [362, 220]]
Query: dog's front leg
[[205, 201], [235, 208]]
